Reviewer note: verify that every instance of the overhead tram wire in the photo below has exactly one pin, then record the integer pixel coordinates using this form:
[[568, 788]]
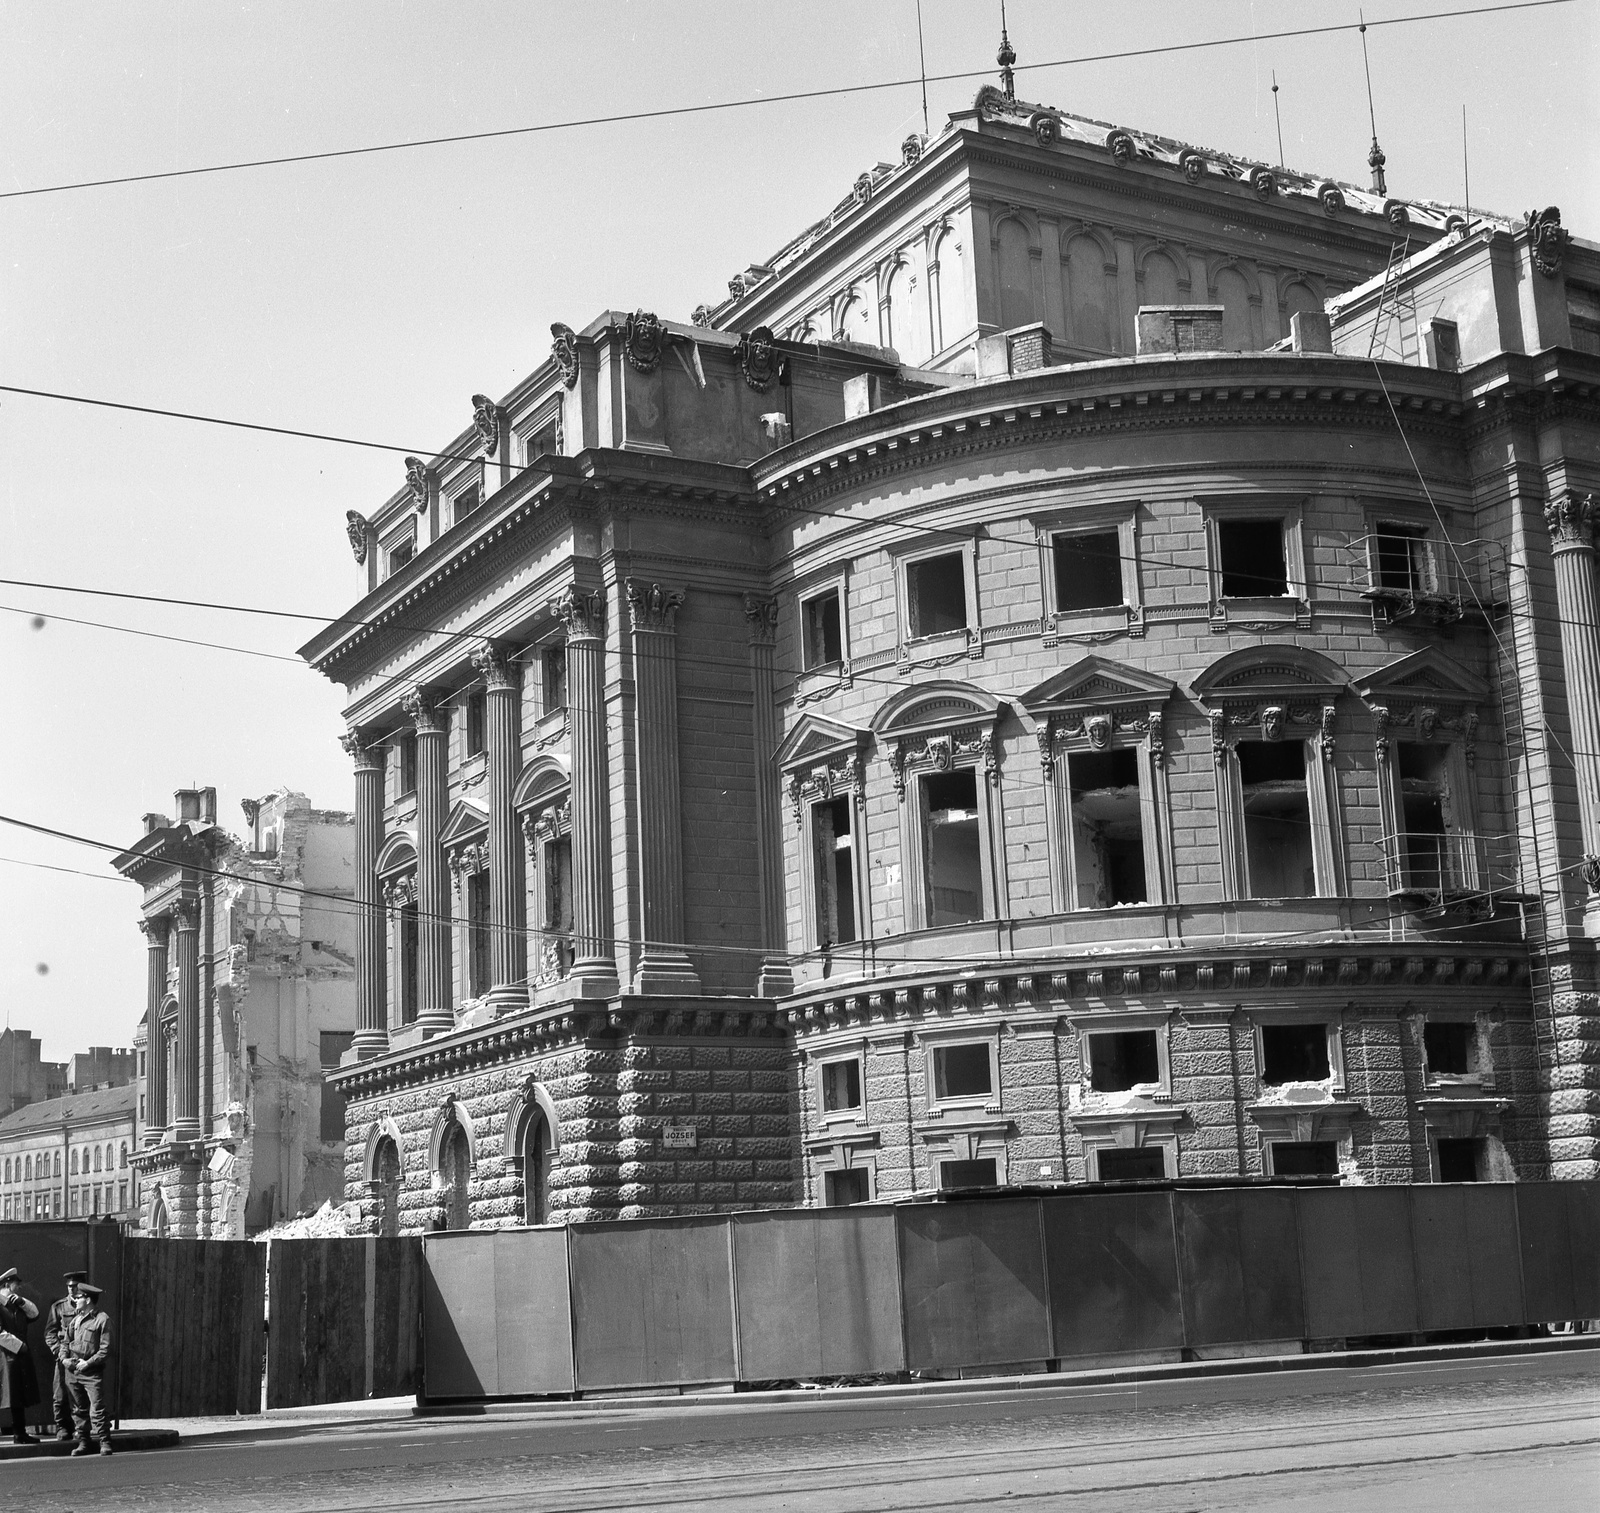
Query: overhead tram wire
[[748, 102], [343, 903]]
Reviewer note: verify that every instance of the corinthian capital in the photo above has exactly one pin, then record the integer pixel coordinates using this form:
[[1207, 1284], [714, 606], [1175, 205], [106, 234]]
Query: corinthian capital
[[356, 747], [582, 612], [1571, 519], [763, 617], [426, 716], [155, 931], [494, 667], [186, 915], [651, 606]]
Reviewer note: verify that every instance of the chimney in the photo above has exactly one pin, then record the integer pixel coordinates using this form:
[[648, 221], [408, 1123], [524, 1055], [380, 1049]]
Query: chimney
[[196, 804], [1311, 331], [862, 395], [1179, 328]]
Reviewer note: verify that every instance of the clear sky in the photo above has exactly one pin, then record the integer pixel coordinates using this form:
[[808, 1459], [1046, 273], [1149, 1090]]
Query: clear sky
[[373, 296]]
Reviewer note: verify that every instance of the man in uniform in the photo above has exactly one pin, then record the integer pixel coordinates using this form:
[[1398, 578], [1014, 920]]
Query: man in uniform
[[55, 1339], [19, 1388], [88, 1346]]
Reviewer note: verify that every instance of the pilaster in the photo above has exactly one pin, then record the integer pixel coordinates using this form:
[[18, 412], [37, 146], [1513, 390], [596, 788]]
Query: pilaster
[[774, 978], [185, 1123], [508, 941]]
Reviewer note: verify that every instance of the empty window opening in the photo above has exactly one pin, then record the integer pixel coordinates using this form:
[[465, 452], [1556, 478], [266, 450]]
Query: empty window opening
[[477, 721], [1277, 819], [541, 444], [1252, 561], [1118, 1164], [1107, 828], [1444, 345], [464, 503], [408, 764], [936, 588], [398, 555], [982, 1173], [1088, 571], [1294, 1053], [1451, 1048], [477, 934], [1402, 555], [1459, 1161], [408, 963], [455, 1168], [952, 847], [962, 1071], [820, 625], [841, 1086], [1425, 816], [1123, 1060], [557, 952], [555, 678], [1305, 1158], [834, 847], [841, 1189]]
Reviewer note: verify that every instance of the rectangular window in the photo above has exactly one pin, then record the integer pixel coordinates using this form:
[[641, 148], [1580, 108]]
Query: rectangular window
[[464, 503], [841, 1189], [1279, 856], [540, 444], [936, 594], [1107, 828], [952, 847], [1451, 1047], [1117, 1164], [477, 715], [1122, 1060], [962, 1071], [477, 934], [122, 1196], [558, 904], [841, 1086], [408, 963], [834, 851], [407, 746], [554, 659], [1424, 816], [1252, 561], [1305, 1158], [1444, 346], [1294, 1053], [1459, 1161], [1088, 571], [1401, 557], [397, 554], [822, 630], [979, 1173]]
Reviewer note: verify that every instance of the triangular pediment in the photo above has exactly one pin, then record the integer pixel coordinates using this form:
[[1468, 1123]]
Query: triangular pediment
[[815, 737], [1279, 671], [468, 821], [1095, 680], [938, 705], [397, 854], [1429, 675]]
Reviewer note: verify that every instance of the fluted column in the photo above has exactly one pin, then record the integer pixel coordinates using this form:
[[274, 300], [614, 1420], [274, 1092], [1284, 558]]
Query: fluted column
[[594, 967], [1572, 521], [372, 1020], [155, 1048], [663, 965], [185, 1122], [508, 903], [434, 1012], [774, 977]]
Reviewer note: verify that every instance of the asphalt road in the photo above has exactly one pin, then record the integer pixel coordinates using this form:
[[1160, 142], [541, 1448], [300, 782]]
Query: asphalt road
[[1457, 1435]]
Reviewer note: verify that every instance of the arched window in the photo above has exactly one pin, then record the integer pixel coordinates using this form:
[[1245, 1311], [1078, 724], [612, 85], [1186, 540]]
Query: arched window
[[74, 1162], [8, 1168], [386, 1176], [535, 1168], [954, 322], [1231, 292], [1015, 259], [122, 1155], [58, 1163], [111, 1155], [1160, 281], [28, 1165], [158, 1217], [455, 1171], [97, 1158]]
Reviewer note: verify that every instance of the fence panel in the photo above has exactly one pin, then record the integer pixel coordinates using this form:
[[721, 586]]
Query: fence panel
[[818, 1293], [1469, 1273], [1559, 1224], [652, 1302], [1240, 1262], [191, 1337], [532, 1307], [393, 1306], [1113, 1268], [460, 1338], [1355, 1261], [973, 1280]]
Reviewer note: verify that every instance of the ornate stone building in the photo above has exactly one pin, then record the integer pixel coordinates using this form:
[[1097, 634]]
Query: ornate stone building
[[251, 996], [1013, 694]]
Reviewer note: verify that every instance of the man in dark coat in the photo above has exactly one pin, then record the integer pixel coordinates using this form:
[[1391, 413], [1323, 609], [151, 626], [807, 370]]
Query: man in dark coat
[[55, 1340], [88, 1348], [19, 1387]]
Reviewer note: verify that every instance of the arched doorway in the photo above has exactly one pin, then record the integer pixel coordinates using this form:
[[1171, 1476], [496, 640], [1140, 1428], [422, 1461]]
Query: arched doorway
[[455, 1170], [386, 1187], [535, 1169], [158, 1217]]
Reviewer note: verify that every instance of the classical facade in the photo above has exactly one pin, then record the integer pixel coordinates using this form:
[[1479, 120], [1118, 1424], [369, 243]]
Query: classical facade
[[251, 996], [1013, 694], [71, 1157]]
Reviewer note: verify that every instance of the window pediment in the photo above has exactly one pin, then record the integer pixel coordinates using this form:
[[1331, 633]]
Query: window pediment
[[397, 856], [468, 821], [544, 779], [815, 739], [1270, 674], [1429, 676], [933, 707], [1095, 682]]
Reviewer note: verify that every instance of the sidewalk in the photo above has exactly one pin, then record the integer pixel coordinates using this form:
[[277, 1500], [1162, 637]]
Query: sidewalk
[[283, 1423]]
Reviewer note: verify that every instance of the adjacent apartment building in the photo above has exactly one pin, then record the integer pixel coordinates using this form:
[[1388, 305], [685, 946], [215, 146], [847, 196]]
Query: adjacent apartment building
[[71, 1157], [1083, 667], [251, 995]]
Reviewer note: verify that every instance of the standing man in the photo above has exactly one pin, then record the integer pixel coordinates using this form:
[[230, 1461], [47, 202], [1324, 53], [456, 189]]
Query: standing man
[[55, 1339], [88, 1346], [19, 1386]]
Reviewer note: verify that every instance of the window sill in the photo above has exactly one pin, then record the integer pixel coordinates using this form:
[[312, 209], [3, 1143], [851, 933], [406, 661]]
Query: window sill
[[1102, 623], [551, 727], [1263, 613], [947, 646]]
